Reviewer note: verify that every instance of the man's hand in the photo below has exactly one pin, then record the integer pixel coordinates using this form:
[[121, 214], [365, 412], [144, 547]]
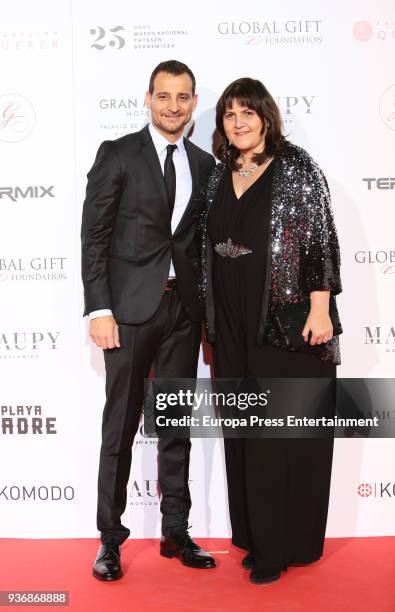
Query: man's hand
[[103, 331]]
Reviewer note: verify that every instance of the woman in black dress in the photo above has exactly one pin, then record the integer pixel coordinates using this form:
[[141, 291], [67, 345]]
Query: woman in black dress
[[270, 246]]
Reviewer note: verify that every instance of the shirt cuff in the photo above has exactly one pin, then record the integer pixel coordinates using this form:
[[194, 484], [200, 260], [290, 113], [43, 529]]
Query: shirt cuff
[[105, 312]]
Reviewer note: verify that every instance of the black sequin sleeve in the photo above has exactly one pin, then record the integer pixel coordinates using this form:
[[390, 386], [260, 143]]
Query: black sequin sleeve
[[318, 241]]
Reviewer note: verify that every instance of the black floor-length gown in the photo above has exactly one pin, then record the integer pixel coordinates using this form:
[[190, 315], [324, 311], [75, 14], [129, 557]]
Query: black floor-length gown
[[278, 488]]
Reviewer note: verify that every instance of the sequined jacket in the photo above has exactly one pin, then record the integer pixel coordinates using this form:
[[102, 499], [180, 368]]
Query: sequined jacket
[[303, 252]]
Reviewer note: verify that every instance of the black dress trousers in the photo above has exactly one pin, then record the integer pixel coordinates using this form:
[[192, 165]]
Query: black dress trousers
[[169, 342]]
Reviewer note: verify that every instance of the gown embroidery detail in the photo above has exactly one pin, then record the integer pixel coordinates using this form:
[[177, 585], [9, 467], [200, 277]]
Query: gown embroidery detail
[[228, 249]]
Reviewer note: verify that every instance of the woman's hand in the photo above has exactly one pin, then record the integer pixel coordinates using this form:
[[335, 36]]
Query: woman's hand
[[318, 322]]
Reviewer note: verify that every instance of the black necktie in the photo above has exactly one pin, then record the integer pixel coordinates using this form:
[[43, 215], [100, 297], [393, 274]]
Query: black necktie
[[170, 176]]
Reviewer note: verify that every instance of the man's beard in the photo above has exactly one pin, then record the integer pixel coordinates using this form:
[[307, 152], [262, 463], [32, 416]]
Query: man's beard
[[169, 129]]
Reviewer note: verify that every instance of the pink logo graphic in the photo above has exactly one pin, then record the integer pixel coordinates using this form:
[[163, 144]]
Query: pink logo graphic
[[254, 40], [388, 269], [387, 107], [362, 31], [365, 489], [17, 118]]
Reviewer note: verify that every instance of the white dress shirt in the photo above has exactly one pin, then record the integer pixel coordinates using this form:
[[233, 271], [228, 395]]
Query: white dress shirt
[[183, 189]]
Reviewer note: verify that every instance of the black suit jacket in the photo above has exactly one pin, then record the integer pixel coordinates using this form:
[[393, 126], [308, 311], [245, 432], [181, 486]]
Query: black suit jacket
[[126, 235]]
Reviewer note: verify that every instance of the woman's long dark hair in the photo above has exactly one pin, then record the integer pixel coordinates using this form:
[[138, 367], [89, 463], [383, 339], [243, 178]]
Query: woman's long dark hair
[[254, 95]]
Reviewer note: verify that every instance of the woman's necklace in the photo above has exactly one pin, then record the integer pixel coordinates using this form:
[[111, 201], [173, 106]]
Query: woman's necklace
[[248, 171]]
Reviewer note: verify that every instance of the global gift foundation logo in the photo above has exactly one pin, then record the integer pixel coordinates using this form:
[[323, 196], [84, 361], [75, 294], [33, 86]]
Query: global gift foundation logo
[[48, 268], [385, 260], [17, 118], [273, 32]]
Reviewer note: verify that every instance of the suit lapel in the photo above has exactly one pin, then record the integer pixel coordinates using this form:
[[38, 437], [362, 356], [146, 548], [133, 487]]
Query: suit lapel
[[193, 164], [194, 167]]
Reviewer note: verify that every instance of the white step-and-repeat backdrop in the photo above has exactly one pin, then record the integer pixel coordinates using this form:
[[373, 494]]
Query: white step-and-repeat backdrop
[[74, 74]]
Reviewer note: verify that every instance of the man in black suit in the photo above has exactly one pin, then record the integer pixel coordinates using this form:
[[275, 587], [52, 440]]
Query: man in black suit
[[140, 269]]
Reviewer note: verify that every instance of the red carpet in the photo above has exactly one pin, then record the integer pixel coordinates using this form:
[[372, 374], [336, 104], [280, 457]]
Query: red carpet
[[356, 575]]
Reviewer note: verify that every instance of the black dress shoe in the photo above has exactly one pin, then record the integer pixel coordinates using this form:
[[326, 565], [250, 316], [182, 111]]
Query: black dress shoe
[[248, 562], [107, 565], [303, 563], [183, 547], [263, 576]]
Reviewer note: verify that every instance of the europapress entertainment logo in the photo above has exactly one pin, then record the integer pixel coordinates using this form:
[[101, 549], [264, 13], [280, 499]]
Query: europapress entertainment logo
[[117, 116], [17, 117], [138, 37], [28, 344], [32, 269], [272, 32], [382, 490]]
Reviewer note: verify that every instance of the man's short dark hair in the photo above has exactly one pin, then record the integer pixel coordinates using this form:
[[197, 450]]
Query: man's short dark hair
[[175, 68]]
